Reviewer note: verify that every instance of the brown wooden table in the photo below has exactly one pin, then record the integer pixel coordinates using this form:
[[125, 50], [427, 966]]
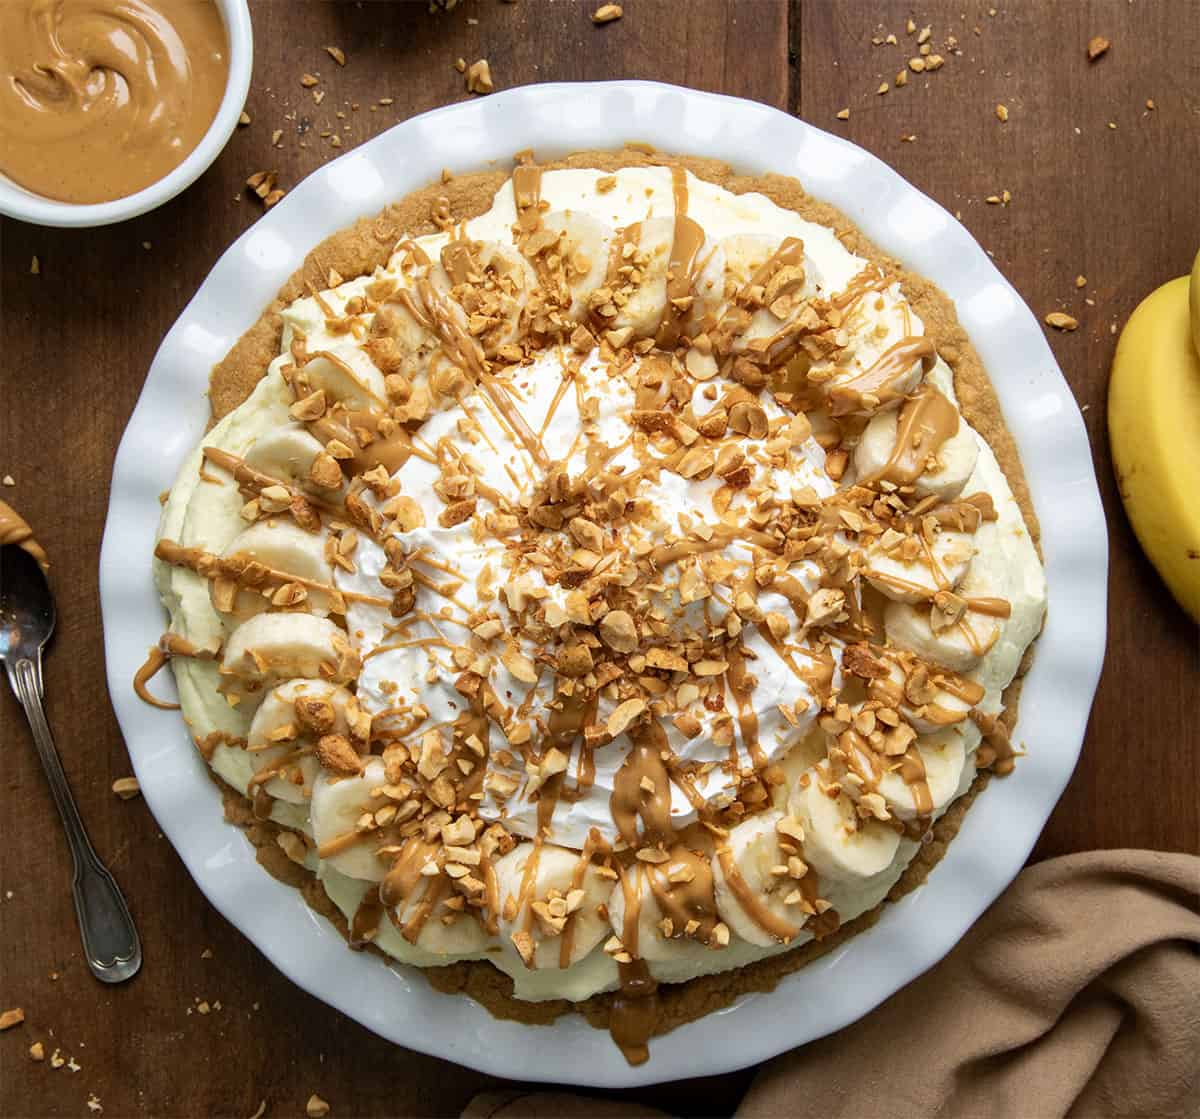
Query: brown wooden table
[[1101, 185]]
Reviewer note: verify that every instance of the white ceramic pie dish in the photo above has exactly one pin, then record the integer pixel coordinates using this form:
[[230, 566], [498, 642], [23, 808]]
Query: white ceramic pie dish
[[1002, 825]]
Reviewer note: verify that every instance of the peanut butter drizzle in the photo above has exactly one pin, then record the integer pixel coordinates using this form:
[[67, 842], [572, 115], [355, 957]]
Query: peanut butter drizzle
[[169, 645], [635, 1011], [912, 770], [927, 420], [255, 481], [403, 878], [364, 925], [260, 803], [740, 683], [527, 193], [776, 927], [568, 716], [155, 659], [14, 529], [591, 845], [996, 751], [865, 282], [684, 902], [194, 559], [879, 380], [102, 98], [630, 804], [469, 355], [686, 244], [993, 607], [389, 451]]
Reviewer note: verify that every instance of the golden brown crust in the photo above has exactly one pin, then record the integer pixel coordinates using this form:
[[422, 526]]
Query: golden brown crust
[[367, 244]]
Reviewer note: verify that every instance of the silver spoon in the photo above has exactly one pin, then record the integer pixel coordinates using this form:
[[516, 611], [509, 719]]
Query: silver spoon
[[110, 941]]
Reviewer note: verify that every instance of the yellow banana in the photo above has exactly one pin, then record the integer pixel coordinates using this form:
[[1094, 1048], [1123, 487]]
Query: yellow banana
[[1194, 301], [1154, 430]]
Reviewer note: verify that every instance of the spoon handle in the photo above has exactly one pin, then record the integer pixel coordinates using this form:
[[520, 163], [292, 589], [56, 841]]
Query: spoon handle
[[110, 941]]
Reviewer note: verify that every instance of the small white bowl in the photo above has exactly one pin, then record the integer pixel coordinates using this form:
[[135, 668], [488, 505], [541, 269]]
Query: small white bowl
[[24, 205]]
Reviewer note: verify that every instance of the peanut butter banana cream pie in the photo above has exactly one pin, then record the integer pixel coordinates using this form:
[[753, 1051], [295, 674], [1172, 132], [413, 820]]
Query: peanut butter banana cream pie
[[606, 584]]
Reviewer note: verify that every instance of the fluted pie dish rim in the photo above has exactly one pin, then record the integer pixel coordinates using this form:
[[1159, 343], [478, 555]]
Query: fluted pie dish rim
[[359, 185]]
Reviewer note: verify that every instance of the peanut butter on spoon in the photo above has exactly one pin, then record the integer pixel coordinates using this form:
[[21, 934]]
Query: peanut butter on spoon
[[101, 98], [14, 529]]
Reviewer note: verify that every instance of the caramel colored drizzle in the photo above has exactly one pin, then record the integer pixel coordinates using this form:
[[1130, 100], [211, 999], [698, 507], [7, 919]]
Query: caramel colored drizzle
[[927, 420], [880, 379], [686, 244], [169, 645], [14, 529], [527, 194], [632, 803], [364, 925], [776, 927], [635, 1011], [155, 659]]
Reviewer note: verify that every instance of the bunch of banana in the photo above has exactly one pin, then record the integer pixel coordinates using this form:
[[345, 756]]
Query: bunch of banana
[[1154, 429]]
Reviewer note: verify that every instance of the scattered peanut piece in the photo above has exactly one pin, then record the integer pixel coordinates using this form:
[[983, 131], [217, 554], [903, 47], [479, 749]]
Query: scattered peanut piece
[[37, 1051], [126, 787], [1097, 45], [244, 119], [843, 114], [10, 1018], [316, 1108], [1002, 113], [1081, 281], [883, 88], [1150, 104], [606, 13], [1060, 320], [9, 480], [479, 77], [35, 267], [337, 54], [309, 80]]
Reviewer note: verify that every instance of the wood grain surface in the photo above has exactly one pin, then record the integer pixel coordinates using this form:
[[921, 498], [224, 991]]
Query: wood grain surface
[[1100, 185]]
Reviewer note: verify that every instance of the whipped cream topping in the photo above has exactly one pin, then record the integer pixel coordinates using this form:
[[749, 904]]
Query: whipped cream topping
[[608, 587]]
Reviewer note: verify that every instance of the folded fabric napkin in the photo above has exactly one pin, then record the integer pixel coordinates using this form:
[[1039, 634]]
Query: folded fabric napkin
[[1077, 994]]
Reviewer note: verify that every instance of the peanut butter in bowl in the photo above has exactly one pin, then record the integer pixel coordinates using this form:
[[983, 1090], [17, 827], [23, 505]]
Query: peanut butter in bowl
[[100, 99]]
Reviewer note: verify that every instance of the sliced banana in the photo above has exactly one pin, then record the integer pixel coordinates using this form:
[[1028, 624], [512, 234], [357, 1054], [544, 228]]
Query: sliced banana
[[338, 803], [694, 899], [556, 873], [647, 287], [357, 390], [744, 254], [418, 904], [276, 716], [283, 546], [759, 905], [399, 342], [939, 705], [269, 648], [838, 844], [584, 245], [954, 460], [959, 648], [942, 757], [284, 453], [937, 564], [493, 289]]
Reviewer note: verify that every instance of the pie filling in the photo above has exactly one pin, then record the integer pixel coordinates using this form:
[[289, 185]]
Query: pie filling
[[609, 588]]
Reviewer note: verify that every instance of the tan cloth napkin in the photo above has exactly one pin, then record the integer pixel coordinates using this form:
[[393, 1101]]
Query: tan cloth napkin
[[1077, 994]]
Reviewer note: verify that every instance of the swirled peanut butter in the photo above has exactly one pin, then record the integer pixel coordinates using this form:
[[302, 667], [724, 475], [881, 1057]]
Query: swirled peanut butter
[[14, 529], [101, 98]]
